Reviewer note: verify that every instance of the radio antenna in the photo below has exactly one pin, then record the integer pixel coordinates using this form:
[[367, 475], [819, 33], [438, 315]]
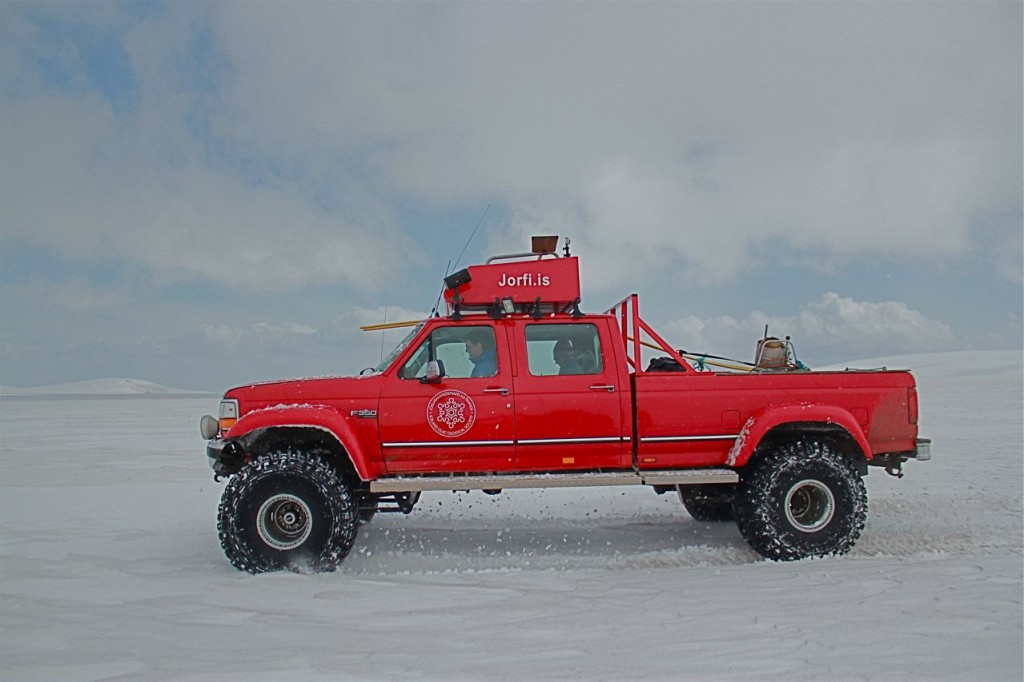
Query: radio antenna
[[382, 334], [449, 269], [473, 234], [433, 311]]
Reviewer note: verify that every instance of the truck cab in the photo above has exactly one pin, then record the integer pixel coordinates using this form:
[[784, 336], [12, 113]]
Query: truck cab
[[524, 412]]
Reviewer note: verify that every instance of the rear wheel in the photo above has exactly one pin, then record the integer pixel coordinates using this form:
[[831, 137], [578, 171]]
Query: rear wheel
[[801, 499], [708, 501], [288, 510]]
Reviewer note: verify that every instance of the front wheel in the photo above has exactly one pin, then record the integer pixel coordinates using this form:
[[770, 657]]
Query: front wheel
[[801, 499], [287, 510]]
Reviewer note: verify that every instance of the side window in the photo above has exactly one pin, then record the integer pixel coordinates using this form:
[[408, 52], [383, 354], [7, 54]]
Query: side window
[[561, 349], [466, 351]]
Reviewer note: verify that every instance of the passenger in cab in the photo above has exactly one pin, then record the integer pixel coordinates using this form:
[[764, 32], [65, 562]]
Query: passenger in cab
[[567, 357]]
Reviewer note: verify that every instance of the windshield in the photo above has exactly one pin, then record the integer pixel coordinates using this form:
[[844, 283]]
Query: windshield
[[399, 348]]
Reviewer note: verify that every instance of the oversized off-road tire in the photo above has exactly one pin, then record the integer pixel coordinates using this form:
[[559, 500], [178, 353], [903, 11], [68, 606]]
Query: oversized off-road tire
[[800, 498], [708, 501], [287, 510]]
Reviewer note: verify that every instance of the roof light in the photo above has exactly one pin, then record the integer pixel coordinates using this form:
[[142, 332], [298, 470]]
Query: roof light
[[508, 305], [543, 245]]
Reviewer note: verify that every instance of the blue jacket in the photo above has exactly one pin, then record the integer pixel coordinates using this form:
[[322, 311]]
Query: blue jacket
[[486, 365]]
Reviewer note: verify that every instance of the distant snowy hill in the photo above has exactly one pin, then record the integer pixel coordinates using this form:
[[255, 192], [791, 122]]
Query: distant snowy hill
[[100, 387], [945, 364]]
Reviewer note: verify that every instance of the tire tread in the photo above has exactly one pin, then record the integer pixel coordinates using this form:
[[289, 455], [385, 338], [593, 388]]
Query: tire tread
[[335, 494], [760, 498]]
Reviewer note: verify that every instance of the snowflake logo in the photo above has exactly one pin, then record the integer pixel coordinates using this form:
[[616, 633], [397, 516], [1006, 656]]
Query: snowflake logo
[[451, 413]]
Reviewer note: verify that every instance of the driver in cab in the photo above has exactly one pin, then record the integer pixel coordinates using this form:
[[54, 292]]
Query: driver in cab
[[480, 348]]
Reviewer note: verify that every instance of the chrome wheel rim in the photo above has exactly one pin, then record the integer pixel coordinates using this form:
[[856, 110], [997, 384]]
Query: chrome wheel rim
[[284, 522], [810, 506]]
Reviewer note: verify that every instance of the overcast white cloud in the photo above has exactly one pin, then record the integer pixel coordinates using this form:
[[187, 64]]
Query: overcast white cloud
[[855, 128], [146, 184], [229, 165], [830, 321], [258, 332]]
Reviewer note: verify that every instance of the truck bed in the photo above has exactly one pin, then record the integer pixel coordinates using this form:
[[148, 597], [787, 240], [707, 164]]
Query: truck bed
[[694, 419]]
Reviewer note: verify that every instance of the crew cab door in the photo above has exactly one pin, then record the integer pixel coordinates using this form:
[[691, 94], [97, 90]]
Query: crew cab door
[[462, 423], [570, 414]]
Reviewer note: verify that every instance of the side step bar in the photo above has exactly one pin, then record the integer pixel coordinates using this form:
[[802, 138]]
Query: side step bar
[[401, 484]]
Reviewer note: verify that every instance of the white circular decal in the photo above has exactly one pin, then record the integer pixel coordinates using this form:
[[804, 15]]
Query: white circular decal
[[451, 413]]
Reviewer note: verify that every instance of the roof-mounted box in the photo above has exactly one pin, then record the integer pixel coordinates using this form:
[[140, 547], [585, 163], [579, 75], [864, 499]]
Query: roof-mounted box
[[554, 281]]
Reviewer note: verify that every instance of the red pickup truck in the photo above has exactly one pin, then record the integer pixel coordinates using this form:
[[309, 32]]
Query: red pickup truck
[[515, 387]]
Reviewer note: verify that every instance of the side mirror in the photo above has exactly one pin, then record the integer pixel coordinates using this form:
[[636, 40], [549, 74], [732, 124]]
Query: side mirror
[[435, 372]]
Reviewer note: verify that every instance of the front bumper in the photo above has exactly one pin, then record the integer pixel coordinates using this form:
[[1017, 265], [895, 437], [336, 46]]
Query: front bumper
[[223, 457]]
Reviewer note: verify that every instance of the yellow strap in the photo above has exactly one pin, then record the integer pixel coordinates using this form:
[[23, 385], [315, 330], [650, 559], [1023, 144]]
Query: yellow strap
[[389, 325]]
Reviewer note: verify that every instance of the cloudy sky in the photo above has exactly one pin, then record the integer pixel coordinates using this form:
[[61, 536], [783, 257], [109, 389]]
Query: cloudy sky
[[199, 194]]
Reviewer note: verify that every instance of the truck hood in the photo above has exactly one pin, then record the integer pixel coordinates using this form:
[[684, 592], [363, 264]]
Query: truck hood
[[319, 390]]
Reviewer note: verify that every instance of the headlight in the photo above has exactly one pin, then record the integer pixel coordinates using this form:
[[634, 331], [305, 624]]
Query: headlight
[[228, 414]]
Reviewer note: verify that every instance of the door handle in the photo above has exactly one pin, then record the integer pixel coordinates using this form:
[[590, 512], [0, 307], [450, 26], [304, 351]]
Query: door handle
[[602, 387], [503, 391]]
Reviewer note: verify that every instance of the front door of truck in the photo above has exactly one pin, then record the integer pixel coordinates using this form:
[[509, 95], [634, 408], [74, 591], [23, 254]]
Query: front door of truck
[[463, 423], [570, 406]]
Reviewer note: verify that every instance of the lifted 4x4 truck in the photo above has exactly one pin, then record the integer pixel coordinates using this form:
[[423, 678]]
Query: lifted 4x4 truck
[[516, 388]]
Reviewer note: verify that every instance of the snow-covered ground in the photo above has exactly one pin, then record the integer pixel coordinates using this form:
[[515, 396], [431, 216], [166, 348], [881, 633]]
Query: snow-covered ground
[[110, 567]]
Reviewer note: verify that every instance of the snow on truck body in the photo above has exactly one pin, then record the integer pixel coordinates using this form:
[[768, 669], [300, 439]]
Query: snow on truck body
[[515, 388]]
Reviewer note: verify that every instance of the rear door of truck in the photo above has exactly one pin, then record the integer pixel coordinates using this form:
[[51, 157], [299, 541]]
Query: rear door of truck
[[574, 416]]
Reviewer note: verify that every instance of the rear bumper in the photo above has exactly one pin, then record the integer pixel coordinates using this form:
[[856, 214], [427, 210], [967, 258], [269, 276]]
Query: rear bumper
[[893, 461]]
